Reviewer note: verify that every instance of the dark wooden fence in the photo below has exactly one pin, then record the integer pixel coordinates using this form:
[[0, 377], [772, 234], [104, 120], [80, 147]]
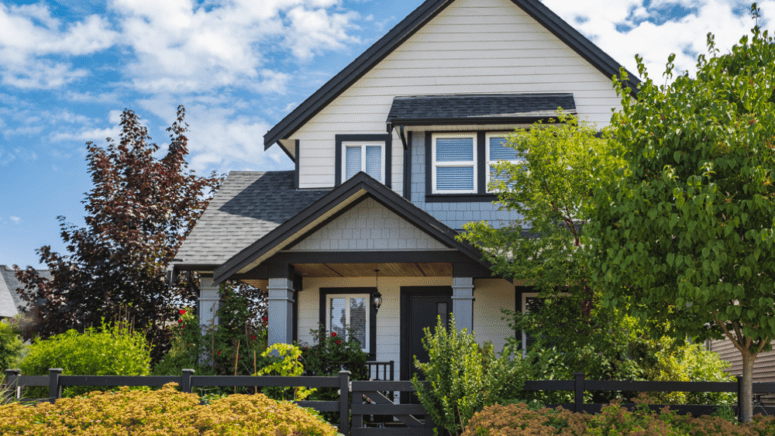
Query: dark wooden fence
[[370, 403], [579, 385]]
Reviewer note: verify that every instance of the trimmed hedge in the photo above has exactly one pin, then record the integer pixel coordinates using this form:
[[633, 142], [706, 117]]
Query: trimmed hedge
[[521, 420], [163, 412]]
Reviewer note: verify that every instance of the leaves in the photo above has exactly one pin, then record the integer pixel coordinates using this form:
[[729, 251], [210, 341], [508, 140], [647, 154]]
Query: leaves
[[139, 212]]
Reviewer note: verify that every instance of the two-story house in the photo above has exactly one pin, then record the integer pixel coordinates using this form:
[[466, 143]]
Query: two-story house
[[392, 157]]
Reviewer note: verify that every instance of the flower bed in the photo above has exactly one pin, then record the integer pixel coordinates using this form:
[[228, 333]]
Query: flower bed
[[521, 420], [163, 412]]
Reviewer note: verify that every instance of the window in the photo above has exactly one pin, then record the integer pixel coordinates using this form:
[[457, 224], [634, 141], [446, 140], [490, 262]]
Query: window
[[530, 303], [497, 150], [368, 158], [353, 311], [454, 164]]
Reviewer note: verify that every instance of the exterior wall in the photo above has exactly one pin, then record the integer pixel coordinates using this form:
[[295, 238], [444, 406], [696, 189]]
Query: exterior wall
[[491, 295], [452, 214], [369, 226], [473, 46]]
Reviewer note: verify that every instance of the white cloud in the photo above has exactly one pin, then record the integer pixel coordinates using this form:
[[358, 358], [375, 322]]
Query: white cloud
[[16, 219], [93, 135], [31, 35], [686, 36]]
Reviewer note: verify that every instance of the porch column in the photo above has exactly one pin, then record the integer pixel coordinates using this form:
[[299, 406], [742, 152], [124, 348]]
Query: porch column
[[463, 302], [209, 302], [280, 314]]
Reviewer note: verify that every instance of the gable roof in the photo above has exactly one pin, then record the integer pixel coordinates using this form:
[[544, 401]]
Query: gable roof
[[477, 108], [337, 200], [404, 30], [246, 207]]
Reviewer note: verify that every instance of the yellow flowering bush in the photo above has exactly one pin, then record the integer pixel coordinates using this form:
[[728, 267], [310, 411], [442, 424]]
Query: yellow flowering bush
[[163, 412]]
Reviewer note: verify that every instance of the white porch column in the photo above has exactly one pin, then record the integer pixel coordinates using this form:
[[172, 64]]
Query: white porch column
[[209, 302], [463, 302], [280, 314]]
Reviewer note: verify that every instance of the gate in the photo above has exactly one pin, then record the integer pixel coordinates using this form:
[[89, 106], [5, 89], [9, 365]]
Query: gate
[[369, 400]]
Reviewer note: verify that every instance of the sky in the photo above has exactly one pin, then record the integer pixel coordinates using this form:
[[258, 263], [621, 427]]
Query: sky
[[69, 67]]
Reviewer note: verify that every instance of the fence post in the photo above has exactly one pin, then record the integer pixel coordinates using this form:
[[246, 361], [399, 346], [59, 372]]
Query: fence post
[[579, 384], [11, 379], [54, 390], [344, 402], [185, 381], [739, 394]]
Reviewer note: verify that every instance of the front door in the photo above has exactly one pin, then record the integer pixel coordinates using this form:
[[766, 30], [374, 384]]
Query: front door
[[420, 309]]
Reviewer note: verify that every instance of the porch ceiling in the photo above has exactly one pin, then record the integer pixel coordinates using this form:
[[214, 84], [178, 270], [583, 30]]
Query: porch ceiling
[[413, 269]]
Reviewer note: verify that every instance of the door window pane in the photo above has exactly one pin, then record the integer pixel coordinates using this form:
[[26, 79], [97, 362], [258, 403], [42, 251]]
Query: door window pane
[[358, 320], [442, 312], [339, 316]]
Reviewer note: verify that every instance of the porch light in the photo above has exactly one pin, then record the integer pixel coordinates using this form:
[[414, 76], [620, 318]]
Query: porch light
[[377, 297]]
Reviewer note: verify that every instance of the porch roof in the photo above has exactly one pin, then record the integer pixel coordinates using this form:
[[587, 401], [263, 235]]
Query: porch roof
[[339, 200]]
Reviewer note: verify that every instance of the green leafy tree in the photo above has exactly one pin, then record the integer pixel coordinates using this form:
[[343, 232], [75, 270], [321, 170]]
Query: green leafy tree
[[551, 190], [686, 232], [141, 209]]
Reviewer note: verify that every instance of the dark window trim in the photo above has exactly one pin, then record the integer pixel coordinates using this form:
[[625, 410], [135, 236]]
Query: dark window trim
[[461, 198], [405, 362], [408, 168], [387, 139], [297, 160], [325, 292]]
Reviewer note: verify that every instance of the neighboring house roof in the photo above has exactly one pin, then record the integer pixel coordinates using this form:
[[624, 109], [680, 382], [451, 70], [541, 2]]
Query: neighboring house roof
[[477, 108], [403, 31], [329, 206], [10, 300], [246, 207]]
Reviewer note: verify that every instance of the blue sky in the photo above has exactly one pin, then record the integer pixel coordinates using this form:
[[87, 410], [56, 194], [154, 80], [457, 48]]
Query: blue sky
[[69, 67]]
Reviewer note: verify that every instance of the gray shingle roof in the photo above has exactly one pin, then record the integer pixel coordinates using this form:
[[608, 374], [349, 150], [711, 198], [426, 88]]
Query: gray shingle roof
[[10, 300], [430, 108], [246, 207]]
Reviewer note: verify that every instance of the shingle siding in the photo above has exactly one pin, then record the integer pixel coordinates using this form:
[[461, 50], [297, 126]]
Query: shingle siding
[[455, 215]]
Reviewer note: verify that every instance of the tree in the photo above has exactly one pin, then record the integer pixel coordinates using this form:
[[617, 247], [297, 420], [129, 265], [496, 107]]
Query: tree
[[550, 188], [138, 214], [686, 234]]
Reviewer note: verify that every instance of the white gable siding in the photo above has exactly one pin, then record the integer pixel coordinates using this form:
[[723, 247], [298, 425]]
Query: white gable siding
[[473, 46], [369, 226]]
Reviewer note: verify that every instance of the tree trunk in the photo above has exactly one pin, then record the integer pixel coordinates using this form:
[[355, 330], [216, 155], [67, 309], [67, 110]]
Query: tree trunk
[[746, 402]]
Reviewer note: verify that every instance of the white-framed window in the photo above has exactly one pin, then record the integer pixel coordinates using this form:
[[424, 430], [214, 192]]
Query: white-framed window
[[454, 163], [351, 311], [367, 157], [530, 303], [497, 150]]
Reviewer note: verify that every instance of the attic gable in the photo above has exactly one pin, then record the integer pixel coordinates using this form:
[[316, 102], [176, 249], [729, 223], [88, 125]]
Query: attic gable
[[404, 31]]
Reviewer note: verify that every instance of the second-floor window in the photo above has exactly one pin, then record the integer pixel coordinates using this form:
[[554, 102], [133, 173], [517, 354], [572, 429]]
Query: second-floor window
[[368, 158], [498, 149], [454, 163]]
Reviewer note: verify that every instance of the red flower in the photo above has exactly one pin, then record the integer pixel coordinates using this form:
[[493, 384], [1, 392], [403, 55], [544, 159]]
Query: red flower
[[333, 334], [180, 321], [253, 337], [182, 312], [265, 319], [338, 342], [219, 352], [183, 325]]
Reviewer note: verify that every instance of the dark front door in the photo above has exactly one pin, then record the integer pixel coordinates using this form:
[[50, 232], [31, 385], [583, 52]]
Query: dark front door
[[420, 309]]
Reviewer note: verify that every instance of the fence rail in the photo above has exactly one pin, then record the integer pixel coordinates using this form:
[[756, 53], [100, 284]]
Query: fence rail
[[580, 385], [373, 399]]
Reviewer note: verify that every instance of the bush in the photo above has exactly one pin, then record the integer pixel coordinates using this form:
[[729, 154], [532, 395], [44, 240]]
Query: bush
[[521, 420], [463, 377], [11, 347], [166, 411], [113, 349]]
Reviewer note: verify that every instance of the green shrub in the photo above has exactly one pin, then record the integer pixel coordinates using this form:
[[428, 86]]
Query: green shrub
[[112, 349], [11, 347], [463, 377], [162, 412]]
